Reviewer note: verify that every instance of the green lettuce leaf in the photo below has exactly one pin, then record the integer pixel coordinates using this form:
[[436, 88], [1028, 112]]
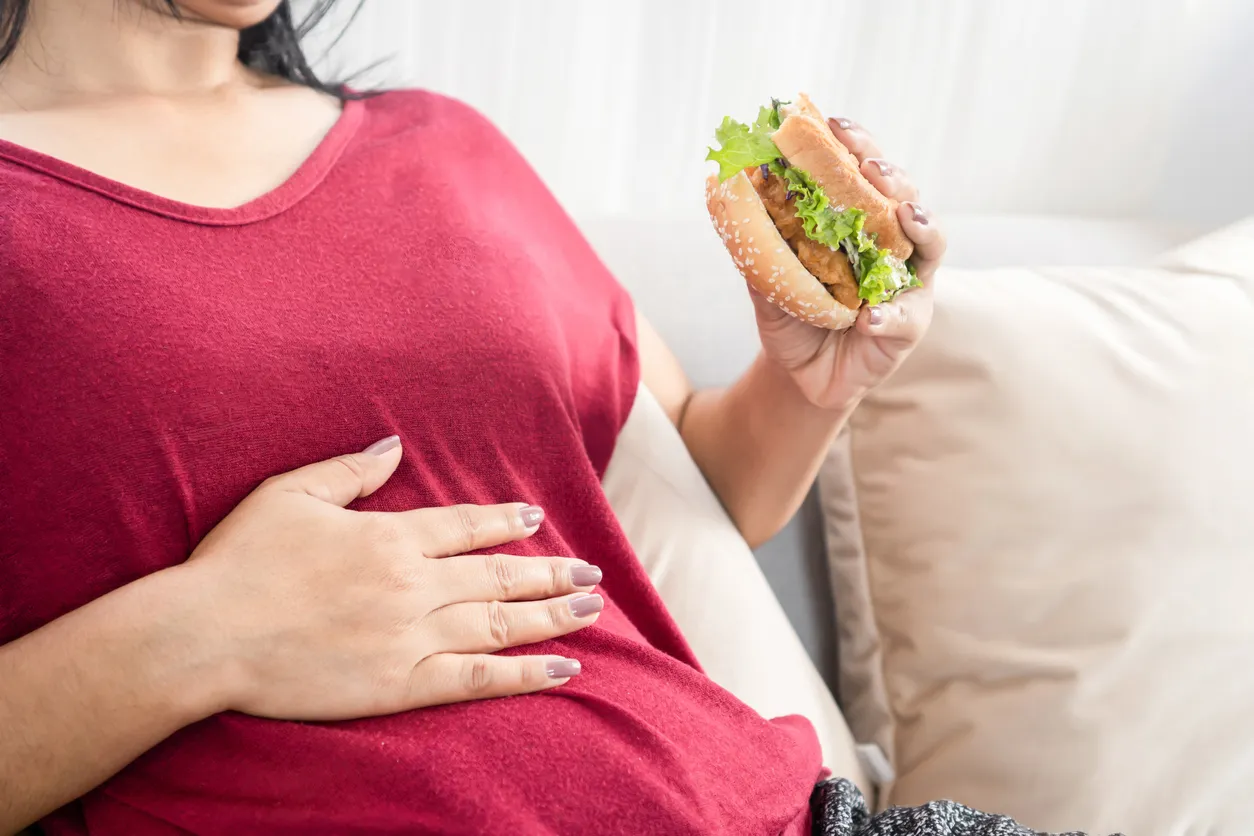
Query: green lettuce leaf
[[775, 119], [883, 276], [821, 221], [743, 145]]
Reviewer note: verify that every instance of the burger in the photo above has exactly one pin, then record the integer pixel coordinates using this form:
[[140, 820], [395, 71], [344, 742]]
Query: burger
[[802, 224]]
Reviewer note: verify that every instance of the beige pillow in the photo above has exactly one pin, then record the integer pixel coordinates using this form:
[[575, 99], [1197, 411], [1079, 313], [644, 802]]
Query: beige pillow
[[711, 583], [1041, 533]]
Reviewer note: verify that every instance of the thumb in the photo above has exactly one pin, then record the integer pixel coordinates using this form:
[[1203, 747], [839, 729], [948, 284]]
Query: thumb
[[344, 478]]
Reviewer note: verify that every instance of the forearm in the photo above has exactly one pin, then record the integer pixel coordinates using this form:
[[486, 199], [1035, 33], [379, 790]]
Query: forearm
[[759, 444], [86, 694]]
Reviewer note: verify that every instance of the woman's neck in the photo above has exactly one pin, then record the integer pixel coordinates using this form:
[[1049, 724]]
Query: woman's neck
[[81, 50]]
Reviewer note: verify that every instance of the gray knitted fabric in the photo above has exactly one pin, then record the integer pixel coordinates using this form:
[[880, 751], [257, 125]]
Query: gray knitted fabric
[[839, 809]]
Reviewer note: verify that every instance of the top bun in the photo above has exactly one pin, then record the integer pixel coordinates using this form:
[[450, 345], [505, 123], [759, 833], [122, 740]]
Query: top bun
[[806, 141]]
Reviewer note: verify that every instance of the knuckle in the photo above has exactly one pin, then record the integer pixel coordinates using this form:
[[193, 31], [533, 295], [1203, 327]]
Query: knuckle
[[529, 676], [557, 575], [513, 522], [385, 531], [467, 526], [396, 576], [476, 675], [499, 631], [505, 576], [385, 551], [352, 465], [557, 617]]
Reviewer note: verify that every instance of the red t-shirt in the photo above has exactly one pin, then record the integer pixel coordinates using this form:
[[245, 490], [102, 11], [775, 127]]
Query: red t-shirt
[[413, 277]]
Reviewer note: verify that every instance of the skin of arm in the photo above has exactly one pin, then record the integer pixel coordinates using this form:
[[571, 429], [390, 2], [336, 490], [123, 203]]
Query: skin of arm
[[90, 692], [759, 442]]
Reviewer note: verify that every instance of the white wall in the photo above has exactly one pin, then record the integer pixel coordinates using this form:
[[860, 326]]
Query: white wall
[[1125, 108]]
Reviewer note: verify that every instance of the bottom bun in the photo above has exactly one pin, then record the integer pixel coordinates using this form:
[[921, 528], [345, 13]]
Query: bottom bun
[[764, 257]]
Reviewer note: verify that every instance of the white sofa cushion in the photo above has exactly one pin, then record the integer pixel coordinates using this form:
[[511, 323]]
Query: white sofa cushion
[[1041, 532], [711, 584]]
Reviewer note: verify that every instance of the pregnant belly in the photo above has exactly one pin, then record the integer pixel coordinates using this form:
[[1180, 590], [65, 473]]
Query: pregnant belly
[[639, 743]]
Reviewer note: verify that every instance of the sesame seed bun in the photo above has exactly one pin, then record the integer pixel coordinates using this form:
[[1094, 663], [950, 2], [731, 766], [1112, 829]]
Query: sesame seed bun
[[764, 258], [743, 222]]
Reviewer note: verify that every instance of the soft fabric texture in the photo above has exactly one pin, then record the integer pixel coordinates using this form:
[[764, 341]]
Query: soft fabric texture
[[838, 808], [712, 585], [1043, 552], [414, 277]]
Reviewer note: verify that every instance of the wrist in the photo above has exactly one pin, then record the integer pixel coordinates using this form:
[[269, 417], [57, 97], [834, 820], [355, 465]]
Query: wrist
[[191, 658]]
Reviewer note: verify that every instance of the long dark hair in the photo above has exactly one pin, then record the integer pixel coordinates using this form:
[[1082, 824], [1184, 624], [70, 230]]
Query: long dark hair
[[272, 46]]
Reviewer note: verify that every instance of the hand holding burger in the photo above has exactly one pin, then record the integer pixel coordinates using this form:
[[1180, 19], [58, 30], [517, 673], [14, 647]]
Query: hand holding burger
[[837, 253]]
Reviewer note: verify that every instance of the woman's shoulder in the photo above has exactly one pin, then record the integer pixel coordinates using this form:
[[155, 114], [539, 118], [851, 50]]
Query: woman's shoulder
[[453, 133], [405, 109]]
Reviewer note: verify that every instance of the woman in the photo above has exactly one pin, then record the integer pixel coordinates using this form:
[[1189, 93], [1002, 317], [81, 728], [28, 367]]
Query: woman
[[213, 274]]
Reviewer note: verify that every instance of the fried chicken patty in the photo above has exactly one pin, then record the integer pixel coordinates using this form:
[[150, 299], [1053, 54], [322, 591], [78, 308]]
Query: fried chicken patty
[[831, 267]]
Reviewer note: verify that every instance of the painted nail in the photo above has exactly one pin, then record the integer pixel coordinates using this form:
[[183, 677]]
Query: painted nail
[[845, 124], [876, 316], [918, 213], [585, 575], [531, 516], [885, 169], [382, 446], [586, 605], [563, 668]]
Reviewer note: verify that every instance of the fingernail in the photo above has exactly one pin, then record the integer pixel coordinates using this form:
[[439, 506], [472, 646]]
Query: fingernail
[[585, 575], [885, 169], [845, 124], [563, 668], [918, 213], [382, 446], [531, 516], [586, 605], [876, 316]]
